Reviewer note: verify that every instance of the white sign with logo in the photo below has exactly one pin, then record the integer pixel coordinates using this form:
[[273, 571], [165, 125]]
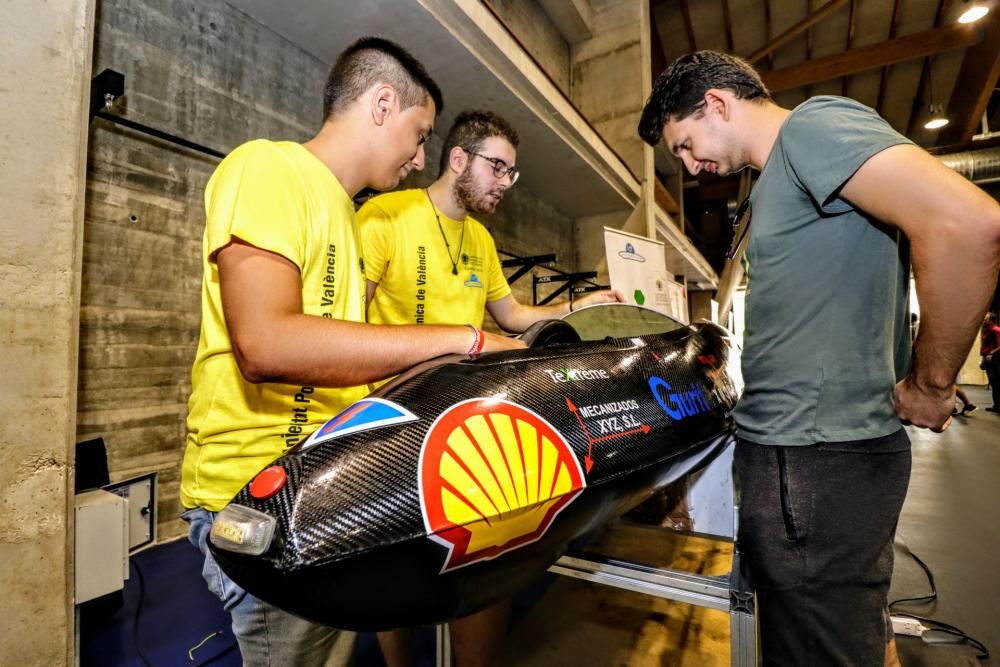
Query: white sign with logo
[[637, 268]]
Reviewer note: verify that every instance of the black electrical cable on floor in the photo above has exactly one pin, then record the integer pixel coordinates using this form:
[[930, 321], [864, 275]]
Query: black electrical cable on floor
[[930, 579], [135, 625], [982, 653]]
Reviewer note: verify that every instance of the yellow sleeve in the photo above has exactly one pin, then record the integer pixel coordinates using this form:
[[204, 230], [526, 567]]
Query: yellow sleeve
[[376, 239], [256, 195], [498, 287]]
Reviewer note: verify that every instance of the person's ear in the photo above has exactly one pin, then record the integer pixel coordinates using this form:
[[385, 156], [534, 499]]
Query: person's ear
[[458, 159], [383, 102], [718, 102]]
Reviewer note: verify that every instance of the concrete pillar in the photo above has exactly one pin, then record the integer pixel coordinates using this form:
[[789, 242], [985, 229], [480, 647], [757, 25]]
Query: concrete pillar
[[45, 75]]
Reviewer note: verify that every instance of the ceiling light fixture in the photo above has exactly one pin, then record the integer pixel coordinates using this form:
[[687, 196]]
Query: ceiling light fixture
[[936, 123], [973, 13]]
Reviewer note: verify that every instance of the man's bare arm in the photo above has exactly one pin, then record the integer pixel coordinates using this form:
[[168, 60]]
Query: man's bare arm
[[954, 233], [273, 341], [512, 315]]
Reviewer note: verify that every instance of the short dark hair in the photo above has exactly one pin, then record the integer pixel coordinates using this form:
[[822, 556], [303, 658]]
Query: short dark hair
[[680, 90], [372, 60], [471, 128]]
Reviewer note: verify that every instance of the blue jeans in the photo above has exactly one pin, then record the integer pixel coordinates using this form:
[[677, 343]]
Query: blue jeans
[[268, 636], [816, 530]]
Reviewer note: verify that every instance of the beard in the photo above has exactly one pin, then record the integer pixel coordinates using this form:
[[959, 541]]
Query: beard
[[473, 200]]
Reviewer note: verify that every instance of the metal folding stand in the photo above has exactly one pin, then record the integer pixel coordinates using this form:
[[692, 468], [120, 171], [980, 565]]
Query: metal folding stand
[[730, 593]]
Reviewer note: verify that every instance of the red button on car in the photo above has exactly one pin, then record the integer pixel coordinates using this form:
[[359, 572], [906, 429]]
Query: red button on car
[[268, 482]]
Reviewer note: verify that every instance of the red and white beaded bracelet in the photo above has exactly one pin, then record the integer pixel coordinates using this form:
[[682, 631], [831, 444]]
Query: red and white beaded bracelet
[[477, 342]]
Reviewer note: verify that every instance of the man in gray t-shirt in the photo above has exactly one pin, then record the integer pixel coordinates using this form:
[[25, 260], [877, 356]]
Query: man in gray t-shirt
[[821, 455], [829, 287]]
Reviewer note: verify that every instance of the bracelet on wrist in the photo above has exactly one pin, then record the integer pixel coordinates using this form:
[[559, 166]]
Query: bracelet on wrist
[[478, 340]]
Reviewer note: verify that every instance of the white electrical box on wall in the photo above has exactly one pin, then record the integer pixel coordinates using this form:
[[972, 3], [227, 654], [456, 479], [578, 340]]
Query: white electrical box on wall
[[102, 544], [140, 494]]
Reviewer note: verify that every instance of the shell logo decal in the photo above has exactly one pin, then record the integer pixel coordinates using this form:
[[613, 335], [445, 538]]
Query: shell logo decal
[[493, 477]]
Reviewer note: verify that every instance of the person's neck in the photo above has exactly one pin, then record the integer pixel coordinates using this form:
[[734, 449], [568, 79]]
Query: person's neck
[[765, 120], [442, 194], [337, 146]]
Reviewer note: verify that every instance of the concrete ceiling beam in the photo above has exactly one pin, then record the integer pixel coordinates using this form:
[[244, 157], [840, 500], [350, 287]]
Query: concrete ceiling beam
[[574, 19]]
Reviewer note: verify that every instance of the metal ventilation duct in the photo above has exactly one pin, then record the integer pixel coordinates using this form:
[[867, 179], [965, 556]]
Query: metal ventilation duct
[[981, 167]]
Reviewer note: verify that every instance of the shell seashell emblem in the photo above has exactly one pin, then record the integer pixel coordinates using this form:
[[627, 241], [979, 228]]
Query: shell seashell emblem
[[493, 477]]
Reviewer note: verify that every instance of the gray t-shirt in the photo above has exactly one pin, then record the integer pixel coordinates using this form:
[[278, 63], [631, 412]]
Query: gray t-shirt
[[826, 328]]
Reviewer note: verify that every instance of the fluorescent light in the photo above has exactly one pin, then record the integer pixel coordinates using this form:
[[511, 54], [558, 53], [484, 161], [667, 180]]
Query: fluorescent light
[[973, 14], [936, 123]]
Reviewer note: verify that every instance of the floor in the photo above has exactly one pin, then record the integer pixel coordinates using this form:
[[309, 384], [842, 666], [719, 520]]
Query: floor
[[948, 521]]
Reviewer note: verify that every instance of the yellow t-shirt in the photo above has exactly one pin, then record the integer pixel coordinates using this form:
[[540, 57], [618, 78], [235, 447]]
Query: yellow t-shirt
[[405, 253], [279, 197]]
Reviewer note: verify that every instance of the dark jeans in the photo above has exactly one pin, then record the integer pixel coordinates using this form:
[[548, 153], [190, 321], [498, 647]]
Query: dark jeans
[[993, 374], [816, 528]]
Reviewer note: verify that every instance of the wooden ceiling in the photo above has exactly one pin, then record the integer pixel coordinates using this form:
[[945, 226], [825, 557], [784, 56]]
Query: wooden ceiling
[[896, 56]]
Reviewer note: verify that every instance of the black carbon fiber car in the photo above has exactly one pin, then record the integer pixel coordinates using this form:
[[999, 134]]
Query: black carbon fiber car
[[461, 481]]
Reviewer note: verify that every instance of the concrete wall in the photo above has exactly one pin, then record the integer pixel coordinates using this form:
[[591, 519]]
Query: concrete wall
[[210, 74], [45, 83], [607, 78]]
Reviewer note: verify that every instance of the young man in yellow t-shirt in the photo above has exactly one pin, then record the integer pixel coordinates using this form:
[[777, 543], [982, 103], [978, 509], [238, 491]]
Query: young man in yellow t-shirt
[[428, 261], [283, 345]]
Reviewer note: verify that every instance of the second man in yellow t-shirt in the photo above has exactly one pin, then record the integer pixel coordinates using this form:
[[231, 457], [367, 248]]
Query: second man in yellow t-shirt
[[428, 261]]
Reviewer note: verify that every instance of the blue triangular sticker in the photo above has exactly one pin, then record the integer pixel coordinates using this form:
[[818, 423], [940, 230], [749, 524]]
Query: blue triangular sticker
[[364, 415]]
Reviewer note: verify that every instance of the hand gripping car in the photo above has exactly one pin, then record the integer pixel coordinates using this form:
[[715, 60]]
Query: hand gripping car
[[461, 481]]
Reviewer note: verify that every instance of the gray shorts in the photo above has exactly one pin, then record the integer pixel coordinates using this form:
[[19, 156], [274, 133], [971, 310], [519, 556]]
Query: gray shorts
[[817, 525]]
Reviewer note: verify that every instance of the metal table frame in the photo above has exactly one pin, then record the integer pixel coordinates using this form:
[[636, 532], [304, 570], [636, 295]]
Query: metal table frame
[[730, 593]]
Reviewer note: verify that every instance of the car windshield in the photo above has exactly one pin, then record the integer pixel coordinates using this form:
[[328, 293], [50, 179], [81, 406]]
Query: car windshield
[[619, 320]]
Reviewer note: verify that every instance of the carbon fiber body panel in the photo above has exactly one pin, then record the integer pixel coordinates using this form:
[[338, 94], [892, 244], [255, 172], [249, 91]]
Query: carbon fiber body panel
[[506, 460]]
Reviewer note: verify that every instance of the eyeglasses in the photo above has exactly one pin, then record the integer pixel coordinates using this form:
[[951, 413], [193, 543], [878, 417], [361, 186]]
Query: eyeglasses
[[500, 168], [741, 225]]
